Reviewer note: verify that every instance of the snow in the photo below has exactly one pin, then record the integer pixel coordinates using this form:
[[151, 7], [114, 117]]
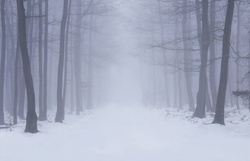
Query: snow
[[130, 134]]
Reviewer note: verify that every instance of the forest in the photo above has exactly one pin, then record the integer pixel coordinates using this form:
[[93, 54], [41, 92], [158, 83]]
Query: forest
[[130, 79]]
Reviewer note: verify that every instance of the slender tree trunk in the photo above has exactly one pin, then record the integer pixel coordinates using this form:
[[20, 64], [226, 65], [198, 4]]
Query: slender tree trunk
[[66, 56], [238, 52], [21, 92], [60, 105], [45, 68], [40, 60], [212, 78], [164, 55], [16, 82], [10, 58], [90, 68], [2, 70], [31, 119], [220, 105], [186, 57], [201, 95], [78, 66]]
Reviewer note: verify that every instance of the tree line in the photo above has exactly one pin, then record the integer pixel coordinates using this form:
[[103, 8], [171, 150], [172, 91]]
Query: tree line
[[33, 50]]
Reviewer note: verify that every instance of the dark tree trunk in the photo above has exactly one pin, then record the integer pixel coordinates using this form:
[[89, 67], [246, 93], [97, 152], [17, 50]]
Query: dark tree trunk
[[2, 70], [220, 105], [60, 103], [40, 61], [45, 68], [31, 119], [201, 95]]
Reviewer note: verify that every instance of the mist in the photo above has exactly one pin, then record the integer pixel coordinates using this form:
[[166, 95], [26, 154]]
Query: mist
[[124, 80]]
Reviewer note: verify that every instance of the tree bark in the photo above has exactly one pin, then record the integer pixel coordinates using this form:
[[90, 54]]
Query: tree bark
[[2, 70], [16, 82], [212, 78], [238, 53], [66, 56], [220, 105], [40, 60], [201, 95], [60, 105], [31, 119], [45, 68], [78, 66]]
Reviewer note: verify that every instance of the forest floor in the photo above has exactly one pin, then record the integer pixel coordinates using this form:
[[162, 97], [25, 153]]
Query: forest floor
[[131, 134]]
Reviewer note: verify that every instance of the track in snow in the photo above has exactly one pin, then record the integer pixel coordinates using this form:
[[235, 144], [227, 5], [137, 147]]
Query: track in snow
[[125, 134]]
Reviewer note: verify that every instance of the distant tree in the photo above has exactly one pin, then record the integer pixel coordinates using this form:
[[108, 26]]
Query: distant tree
[[31, 118], [188, 78], [220, 105], [16, 82], [77, 58], [212, 50]]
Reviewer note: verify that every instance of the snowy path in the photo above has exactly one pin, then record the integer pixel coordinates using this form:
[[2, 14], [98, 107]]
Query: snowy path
[[125, 134]]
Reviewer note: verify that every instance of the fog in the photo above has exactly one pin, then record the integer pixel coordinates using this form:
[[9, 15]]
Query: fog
[[86, 54]]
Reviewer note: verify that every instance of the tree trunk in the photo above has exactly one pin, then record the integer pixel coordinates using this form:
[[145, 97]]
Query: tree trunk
[[60, 106], [164, 55], [66, 56], [45, 68], [201, 95], [186, 57], [16, 82], [238, 53], [78, 66], [2, 70], [90, 62], [220, 105], [40, 60], [212, 70], [31, 119]]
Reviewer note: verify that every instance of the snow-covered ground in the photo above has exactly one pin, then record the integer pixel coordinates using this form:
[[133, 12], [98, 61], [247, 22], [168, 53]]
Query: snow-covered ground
[[130, 134]]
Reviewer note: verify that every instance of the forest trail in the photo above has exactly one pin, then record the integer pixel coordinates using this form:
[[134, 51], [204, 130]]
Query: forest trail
[[125, 134]]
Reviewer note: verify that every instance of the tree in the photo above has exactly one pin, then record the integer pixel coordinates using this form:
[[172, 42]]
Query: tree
[[212, 70], [220, 105], [60, 103], [2, 70], [45, 69], [77, 56], [40, 60], [201, 95], [31, 118], [186, 57]]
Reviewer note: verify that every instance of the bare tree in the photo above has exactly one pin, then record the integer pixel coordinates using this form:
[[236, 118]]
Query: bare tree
[[60, 103], [31, 118], [2, 70], [186, 57], [220, 105], [212, 70], [201, 95]]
